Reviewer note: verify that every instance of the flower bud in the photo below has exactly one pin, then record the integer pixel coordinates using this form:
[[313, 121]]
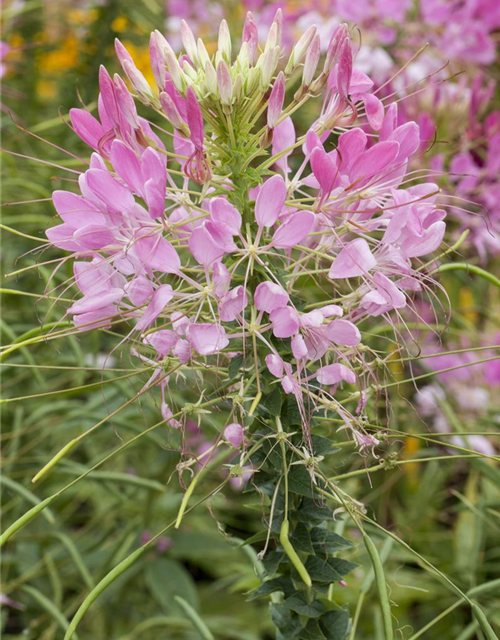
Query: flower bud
[[334, 46], [267, 67], [224, 83], [211, 78], [272, 37], [175, 71], [225, 42], [168, 106], [311, 61], [137, 80], [278, 21], [189, 42], [345, 68], [125, 102], [300, 49], [238, 87], [122, 53], [157, 63], [250, 36], [203, 56], [242, 60], [276, 100]]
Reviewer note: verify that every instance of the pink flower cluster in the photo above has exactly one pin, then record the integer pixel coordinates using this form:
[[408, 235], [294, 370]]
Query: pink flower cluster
[[165, 237]]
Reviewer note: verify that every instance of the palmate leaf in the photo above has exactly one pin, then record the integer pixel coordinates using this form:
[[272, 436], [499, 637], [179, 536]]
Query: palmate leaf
[[327, 570], [298, 603], [281, 583]]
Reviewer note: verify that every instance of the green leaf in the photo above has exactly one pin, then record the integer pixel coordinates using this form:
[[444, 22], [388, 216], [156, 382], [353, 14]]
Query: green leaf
[[328, 570], [257, 537], [166, 579], [335, 624], [298, 603], [290, 414], [326, 542], [272, 561], [311, 511], [272, 402], [323, 446], [301, 540], [299, 481], [234, 366], [282, 583], [312, 631], [289, 625]]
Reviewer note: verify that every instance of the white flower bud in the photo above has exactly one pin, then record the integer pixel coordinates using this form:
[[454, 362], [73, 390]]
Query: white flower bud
[[311, 61], [211, 78], [203, 56], [225, 42], [299, 50], [189, 42]]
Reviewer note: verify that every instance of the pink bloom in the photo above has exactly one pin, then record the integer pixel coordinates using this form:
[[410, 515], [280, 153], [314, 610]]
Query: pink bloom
[[334, 373], [270, 296], [207, 338], [234, 434], [285, 322], [270, 201], [354, 260]]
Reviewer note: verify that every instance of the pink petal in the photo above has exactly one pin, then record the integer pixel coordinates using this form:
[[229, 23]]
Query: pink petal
[[311, 319], [294, 230], [162, 341], [207, 338], [324, 169], [88, 128], [94, 236], [275, 365], [299, 348], [115, 195], [408, 138], [285, 322], [61, 236], [232, 304], [344, 333], [100, 318], [204, 247], [374, 111], [159, 301], [351, 145], [331, 310], [139, 290], [97, 301], [334, 373], [234, 434], [355, 259], [157, 253], [224, 214], [76, 210], [221, 279], [270, 201], [270, 296], [127, 165], [283, 138], [374, 160], [414, 247]]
